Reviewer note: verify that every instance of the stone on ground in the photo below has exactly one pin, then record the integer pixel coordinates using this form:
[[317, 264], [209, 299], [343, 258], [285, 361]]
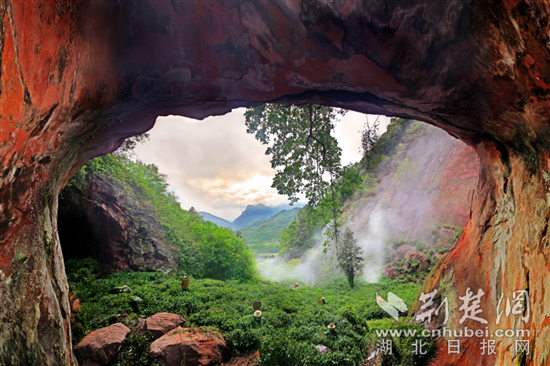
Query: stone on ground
[[100, 346], [161, 323], [200, 348], [252, 359]]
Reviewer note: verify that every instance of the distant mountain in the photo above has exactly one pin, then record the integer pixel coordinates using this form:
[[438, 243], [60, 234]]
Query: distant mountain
[[252, 214], [286, 206], [216, 220], [269, 230]]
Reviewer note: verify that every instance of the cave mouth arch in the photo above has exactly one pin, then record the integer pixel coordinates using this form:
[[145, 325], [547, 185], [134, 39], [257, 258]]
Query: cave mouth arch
[[98, 72]]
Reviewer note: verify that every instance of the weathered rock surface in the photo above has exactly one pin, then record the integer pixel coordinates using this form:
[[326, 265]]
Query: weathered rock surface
[[75, 306], [503, 249], [112, 223], [436, 189], [192, 346], [79, 76], [100, 346], [161, 323]]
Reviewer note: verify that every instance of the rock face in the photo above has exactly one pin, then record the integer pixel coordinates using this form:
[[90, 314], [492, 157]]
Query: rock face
[[100, 346], [102, 219], [161, 323], [389, 271], [77, 77], [434, 187], [503, 250], [191, 346]]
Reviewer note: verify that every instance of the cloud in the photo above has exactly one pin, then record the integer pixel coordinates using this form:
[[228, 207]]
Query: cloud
[[215, 166]]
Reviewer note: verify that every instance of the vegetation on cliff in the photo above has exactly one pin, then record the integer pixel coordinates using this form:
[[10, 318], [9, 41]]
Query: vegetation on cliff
[[204, 249], [357, 181], [394, 158], [264, 236]]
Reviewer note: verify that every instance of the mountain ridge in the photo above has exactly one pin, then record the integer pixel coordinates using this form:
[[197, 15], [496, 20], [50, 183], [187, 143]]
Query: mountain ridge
[[250, 215], [216, 220]]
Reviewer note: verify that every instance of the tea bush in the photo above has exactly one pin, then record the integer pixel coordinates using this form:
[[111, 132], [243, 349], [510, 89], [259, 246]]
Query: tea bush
[[293, 322]]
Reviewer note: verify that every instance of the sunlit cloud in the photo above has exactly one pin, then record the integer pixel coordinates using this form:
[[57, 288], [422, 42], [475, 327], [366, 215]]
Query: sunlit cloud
[[254, 190], [215, 166]]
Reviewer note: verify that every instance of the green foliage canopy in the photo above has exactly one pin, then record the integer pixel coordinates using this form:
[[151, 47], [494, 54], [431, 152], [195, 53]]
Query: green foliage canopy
[[302, 147], [205, 249]]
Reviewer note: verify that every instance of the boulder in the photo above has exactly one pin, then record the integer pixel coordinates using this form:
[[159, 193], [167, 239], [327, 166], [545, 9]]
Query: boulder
[[161, 323], [196, 347], [100, 346]]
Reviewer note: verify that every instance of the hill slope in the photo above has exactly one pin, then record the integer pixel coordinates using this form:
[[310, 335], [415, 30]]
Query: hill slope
[[216, 220], [254, 213], [264, 236], [145, 220], [412, 206], [424, 180]]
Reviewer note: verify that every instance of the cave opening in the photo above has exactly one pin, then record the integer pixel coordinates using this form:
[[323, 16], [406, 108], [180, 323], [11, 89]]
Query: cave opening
[[219, 170], [216, 157]]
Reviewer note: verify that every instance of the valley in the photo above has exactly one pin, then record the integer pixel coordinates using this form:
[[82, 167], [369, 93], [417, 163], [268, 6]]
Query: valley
[[407, 211]]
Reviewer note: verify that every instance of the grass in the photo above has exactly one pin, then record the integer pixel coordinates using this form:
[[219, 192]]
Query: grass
[[294, 323]]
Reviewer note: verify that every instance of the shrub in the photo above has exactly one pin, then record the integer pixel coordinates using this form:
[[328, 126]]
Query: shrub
[[402, 347], [294, 323]]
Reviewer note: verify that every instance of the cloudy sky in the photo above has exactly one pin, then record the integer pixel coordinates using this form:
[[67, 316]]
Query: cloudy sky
[[215, 166]]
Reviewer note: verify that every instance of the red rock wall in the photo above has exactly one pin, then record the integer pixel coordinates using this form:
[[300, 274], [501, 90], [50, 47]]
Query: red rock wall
[[503, 249], [457, 181], [437, 191], [79, 76]]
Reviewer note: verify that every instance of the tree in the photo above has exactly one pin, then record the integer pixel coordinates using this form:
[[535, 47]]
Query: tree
[[300, 235], [349, 256], [349, 183], [303, 150], [128, 146], [302, 147], [369, 138]]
